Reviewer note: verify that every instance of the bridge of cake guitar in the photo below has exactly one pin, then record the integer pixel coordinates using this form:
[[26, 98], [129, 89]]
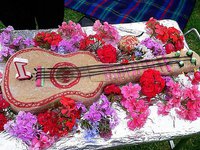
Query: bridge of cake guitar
[[35, 79]]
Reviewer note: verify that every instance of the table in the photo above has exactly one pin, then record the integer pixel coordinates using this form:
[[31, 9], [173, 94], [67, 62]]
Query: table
[[157, 128]]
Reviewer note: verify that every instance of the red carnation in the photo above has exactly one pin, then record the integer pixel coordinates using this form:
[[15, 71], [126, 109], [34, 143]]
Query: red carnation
[[47, 39], [169, 47], [59, 123], [91, 42], [169, 36], [3, 120], [179, 45], [112, 89], [3, 103], [152, 83], [86, 43], [162, 33], [107, 54]]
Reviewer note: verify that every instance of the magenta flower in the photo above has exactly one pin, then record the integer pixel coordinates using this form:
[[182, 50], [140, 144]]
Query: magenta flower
[[106, 31], [43, 141], [192, 93], [131, 91], [70, 29], [164, 109], [138, 112], [174, 88]]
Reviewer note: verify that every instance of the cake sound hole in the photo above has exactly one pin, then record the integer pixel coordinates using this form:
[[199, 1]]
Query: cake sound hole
[[65, 75]]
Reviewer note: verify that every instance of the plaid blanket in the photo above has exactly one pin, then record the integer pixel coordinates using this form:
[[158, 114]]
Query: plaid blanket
[[124, 11]]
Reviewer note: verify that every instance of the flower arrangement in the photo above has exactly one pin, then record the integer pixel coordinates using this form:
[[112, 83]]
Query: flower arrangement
[[107, 32], [41, 130], [47, 39], [169, 36], [100, 119], [9, 45]]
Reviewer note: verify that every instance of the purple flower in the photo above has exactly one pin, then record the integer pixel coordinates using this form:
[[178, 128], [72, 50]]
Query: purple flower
[[90, 134], [156, 47], [28, 42], [93, 115], [17, 41], [100, 112], [167, 78], [138, 54], [67, 45], [5, 36], [9, 29], [80, 105], [23, 127], [105, 102], [9, 45]]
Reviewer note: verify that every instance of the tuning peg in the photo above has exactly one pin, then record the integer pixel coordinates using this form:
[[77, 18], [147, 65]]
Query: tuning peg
[[181, 64], [193, 61], [189, 53], [177, 54]]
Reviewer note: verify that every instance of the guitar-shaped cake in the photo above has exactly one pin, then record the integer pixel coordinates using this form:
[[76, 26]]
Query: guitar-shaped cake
[[35, 79]]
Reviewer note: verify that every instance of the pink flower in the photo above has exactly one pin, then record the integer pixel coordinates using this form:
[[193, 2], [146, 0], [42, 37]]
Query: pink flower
[[42, 142], [192, 115], [130, 105], [137, 122], [187, 114], [174, 88], [106, 31], [197, 105], [191, 105], [175, 101], [182, 112], [97, 25], [138, 112], [192, 93], [141, 106], [131, 91], [163, 109], [70, 29], [131, 124]]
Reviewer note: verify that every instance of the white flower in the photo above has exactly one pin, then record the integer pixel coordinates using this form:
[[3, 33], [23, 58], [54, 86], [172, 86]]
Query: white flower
[[184, 80]]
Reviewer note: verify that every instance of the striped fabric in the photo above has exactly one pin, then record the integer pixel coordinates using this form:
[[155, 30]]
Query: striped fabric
[[124, 11]]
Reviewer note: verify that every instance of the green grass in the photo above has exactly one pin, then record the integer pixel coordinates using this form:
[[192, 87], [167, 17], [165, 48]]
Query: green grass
[[72, 15], [191, 143], [194, 22]]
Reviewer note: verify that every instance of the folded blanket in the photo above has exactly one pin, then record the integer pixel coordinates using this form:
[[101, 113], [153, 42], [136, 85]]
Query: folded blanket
[[124, 11]]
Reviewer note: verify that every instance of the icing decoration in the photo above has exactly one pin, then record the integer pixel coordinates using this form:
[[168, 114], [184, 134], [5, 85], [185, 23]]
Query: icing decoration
[[38, 81], [193, 61], [20, 64], [167, 66], [181, 64], [177, 54], [189, 53]]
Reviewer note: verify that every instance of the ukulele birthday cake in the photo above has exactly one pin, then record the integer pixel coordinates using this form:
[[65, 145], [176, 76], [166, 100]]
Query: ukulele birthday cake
[[83, 80], [35, 78]]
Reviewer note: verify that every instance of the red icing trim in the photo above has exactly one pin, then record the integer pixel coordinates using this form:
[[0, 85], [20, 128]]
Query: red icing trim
[[59, 85], [50, 99]]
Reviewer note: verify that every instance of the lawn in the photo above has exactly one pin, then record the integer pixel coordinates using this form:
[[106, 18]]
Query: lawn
[[191, 143]]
